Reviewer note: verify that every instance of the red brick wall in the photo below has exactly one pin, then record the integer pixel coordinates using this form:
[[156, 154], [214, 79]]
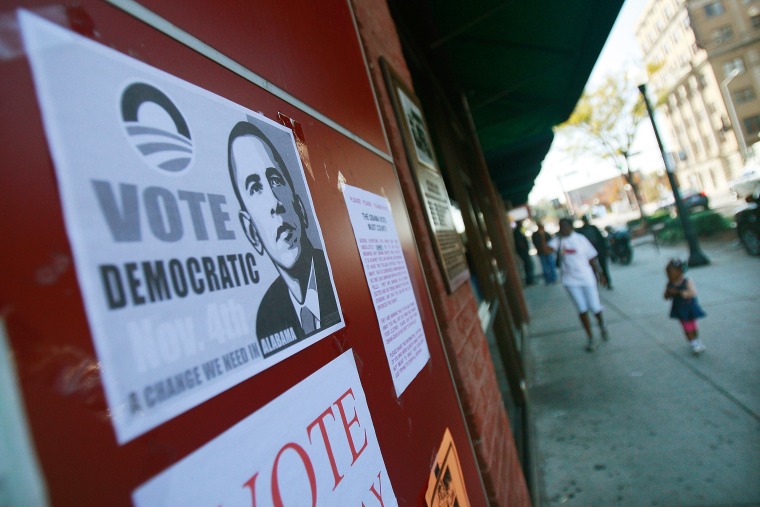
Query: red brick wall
[[457, 315]]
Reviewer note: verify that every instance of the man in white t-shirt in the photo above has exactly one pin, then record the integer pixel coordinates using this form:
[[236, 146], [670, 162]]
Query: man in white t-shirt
[[579, 273]]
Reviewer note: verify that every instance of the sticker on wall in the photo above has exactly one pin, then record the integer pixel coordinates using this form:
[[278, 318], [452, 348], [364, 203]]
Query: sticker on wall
[[446, 484], [197, 247], [389, 284], [314, 445]]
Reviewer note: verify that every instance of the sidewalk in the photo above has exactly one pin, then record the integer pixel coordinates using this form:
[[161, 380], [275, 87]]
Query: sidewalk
[[642, 422]]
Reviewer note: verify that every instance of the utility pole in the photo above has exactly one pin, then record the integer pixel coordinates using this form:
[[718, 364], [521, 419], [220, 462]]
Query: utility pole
[[696, 257]]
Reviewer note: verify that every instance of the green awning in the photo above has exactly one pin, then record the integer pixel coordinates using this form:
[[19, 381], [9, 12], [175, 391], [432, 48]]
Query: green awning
[[522, 66]]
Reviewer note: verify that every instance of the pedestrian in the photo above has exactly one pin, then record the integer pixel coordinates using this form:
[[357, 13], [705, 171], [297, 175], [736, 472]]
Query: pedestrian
[[580, 272], [540, 240], [523, 251], [597, 239], [685, 307]]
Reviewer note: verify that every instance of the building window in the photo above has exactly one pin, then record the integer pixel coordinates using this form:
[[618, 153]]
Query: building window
[[731, 65], [754, 15], [723, 34], [714, 9], [752, 124], [744, 95]]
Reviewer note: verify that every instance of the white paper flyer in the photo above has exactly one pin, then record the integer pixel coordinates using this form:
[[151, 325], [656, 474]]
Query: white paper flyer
[[197, 248], [314, 445], [389, 284]]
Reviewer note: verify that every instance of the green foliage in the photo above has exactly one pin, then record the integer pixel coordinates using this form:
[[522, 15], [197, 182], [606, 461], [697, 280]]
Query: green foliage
[[661, 216], [706, 223], [658, 217], [654, 67], [543, 210], [607, 119], [672, 234]]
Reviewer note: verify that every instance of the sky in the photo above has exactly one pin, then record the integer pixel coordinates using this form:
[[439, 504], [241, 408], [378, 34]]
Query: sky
[[619, 52]]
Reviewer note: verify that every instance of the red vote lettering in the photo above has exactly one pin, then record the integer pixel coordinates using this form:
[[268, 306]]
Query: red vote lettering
[[276, 496], [379, 495], [320, 421], [251, 484], [347, 426], [306, 460]]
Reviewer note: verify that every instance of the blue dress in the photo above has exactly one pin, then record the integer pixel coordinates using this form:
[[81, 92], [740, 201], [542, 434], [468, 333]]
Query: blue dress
[[684, 309]]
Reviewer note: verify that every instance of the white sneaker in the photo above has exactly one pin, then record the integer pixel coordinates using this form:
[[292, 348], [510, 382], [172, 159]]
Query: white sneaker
[[697, 347]]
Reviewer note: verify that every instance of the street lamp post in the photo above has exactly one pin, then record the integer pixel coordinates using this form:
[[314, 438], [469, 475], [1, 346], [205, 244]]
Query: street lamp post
[[732, 112], [696, 257]]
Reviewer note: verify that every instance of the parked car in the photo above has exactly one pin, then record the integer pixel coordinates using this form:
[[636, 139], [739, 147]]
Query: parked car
[[748, 223], [692, 200], [747, 181]]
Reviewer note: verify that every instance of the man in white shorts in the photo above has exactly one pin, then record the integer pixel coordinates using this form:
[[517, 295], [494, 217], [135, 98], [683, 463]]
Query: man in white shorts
[[580, 272]]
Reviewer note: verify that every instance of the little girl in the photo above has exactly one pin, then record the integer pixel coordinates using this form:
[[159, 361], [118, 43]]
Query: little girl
[[685, 305]]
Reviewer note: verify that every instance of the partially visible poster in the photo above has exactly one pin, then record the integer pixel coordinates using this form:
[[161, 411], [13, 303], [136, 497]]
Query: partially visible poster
[[314, 445], [446, 484], [389, 284], [197, 248]]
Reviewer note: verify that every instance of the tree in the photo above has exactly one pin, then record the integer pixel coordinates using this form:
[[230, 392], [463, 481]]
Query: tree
[[607, 119]]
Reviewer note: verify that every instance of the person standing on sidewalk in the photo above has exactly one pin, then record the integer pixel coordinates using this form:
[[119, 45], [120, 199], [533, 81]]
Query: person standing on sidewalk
[[597, 239], [540, 240], [523, 251], [685, 306], [579, 272]]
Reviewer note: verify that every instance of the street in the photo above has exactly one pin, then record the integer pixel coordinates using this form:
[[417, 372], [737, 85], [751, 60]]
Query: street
[[641, 421]]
